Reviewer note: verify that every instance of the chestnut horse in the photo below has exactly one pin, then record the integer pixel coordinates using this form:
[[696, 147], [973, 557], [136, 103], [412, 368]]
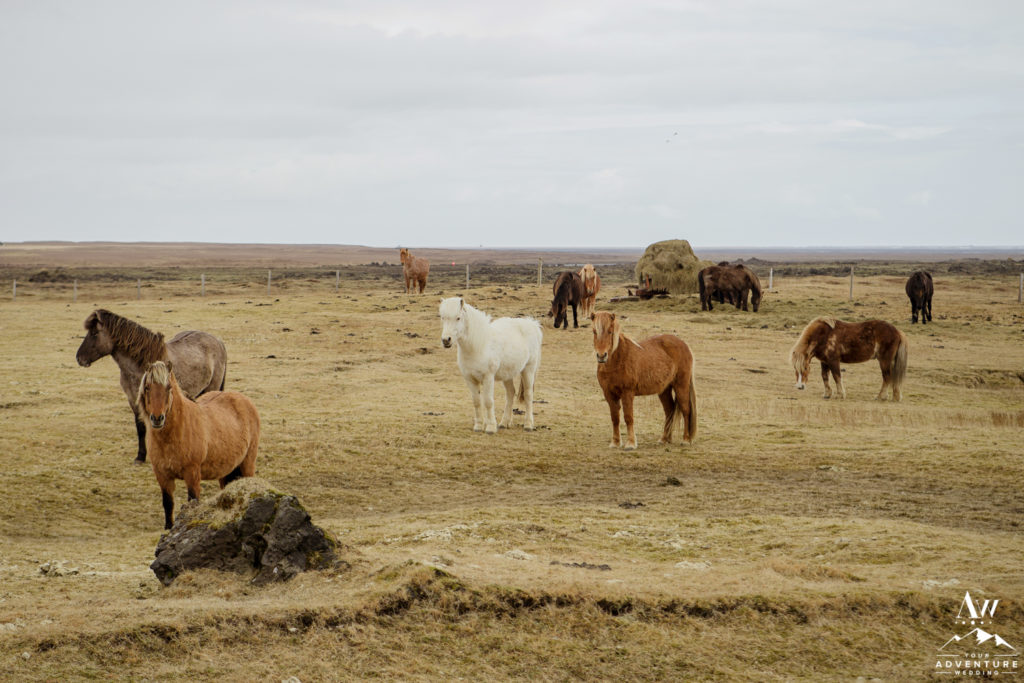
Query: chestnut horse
[[415, 270], [919, 291], [660, 365], [732, 282], [568, 290], [214, 437], [591, 286], [833, 341], [200, 358]]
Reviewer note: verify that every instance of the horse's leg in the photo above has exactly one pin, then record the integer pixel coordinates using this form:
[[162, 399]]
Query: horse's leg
[[669, 404], [886, 367], [510, 396], [140, 429], [824, 378], [575, 321], [913, 310], [487, 391], [529, 376], [627, 414], [837, 375], [167, 494], [193, 476], [614, 407], [928, 304], [474, 393], [230, 476]]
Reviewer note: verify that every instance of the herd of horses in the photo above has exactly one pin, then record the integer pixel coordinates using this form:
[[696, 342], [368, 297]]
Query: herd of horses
[[194, 430]]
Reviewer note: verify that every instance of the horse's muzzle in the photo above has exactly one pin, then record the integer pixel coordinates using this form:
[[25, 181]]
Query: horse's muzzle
[[84, 363], [447, 342], [157, 421], [602, 357]]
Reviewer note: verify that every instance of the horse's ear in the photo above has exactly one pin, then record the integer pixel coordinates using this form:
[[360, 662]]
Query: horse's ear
[[462, 304], [593, 316], [169, 367], [613, 316]]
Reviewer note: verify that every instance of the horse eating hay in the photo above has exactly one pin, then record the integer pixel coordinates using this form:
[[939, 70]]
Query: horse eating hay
[[568, 291], [660, 365], [414, 270], [502, 350], [200, 358], [833, 341], [214, 437]]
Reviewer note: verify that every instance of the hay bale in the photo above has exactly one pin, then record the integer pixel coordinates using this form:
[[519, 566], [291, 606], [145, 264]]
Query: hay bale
[[671, 265]]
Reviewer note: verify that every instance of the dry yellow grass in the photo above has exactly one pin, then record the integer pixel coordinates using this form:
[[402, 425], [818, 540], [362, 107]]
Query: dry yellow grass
[[796, 539]]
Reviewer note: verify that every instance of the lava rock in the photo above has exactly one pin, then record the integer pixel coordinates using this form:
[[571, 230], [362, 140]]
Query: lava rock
[[247, 528]]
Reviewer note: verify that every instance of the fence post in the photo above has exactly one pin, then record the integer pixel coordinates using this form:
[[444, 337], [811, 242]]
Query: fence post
[[467, 276], [851, 283], [15, 289], [138, 289], [540, 270], [337, 280], [74, 297], [1020, 290], [771, 272], [268, 283], [203, 285]]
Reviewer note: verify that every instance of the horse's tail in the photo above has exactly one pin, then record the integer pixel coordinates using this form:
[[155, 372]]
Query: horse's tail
[[691, 417], [899, 365]]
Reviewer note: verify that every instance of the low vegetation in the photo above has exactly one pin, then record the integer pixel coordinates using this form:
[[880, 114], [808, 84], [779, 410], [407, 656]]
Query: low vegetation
[[796, 539]]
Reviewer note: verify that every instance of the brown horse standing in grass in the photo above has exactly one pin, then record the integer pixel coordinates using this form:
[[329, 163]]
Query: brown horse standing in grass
[[568, 290], [215, 437], [660, 365], [832, 341], [415, 270], [919, 291], [591, 286], [200, 358]]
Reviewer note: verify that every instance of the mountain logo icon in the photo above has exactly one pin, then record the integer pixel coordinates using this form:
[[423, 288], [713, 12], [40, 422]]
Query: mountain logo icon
[[979, 637]]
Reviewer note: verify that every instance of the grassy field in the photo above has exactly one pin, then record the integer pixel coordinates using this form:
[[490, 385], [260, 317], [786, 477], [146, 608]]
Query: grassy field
[[796, 539]]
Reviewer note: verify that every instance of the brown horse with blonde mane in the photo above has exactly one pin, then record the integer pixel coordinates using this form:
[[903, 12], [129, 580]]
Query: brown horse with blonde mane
[[833, 341], [200, 358], [661, 365], [591, 286], [414, 270], [215, 437]]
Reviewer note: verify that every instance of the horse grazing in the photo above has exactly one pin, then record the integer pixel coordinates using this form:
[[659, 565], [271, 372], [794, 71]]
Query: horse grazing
[[660, 365], [732, 282], [200, 358], [919, 290], [215, 437], [568, 291], [488, 350], [415, 270], [591, 286], [833, 341]]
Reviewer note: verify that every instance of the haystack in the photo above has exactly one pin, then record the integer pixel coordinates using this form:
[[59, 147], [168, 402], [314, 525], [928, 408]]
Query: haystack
[[671, 265]]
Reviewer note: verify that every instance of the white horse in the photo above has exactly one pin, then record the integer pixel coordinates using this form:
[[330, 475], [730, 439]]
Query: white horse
[[502, 349]]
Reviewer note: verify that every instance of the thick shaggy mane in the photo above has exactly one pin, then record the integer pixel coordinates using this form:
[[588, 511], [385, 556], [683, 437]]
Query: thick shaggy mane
[[143, 345]]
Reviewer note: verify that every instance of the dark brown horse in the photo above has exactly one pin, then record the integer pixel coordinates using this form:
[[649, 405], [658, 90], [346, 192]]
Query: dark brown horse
[[569, 291], [919, 291], [729, 282], [200, 358], [832, 341], [661, 365], [414, 270], [215, 437]]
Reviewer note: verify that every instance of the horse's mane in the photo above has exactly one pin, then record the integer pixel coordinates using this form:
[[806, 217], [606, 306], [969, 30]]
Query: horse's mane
[[159, 373], [825, 319], [565, 283], [800, 349], [143, 345]]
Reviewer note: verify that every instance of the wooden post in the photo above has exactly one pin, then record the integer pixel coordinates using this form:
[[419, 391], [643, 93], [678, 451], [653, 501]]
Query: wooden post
[[851, 283], [74, 297], [771, 272], [337, 280], [1020, 290], [15, 289], [138, 289], [268, 283], [540, 271], [467, 276], [203, 284]]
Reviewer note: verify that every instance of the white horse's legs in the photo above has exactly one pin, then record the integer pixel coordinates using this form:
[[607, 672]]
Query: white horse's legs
[[474, 393], [528, 377], [487, 392], [510, 395]]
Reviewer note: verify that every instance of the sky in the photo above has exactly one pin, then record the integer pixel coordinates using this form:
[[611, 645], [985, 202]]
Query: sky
[[466, 123]]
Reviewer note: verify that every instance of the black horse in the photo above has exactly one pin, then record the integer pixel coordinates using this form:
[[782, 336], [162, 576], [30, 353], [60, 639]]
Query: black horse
[[568, 291], [919, 290]]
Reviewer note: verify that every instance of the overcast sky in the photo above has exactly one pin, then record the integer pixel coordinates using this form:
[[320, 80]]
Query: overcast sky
[[529, 123]]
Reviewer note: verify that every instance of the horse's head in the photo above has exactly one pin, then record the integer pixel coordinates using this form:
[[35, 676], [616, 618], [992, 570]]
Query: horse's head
[[755, 298], [801, 359], [453, 320], [403, 254], [559, 309], [155, 396], [606, 335], [97, 342]]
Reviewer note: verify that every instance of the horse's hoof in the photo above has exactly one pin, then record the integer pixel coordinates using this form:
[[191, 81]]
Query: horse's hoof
[[613, 444], [139, 461], [630, 447], [491, 429], [527, 428]]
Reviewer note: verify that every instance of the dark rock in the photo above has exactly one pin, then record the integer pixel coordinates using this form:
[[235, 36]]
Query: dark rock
[[247, 528]]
